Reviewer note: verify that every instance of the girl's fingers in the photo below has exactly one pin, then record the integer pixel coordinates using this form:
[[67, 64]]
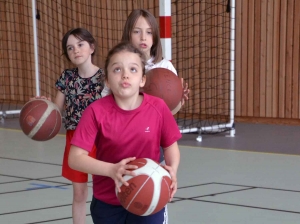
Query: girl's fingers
[[173, 185], [117, 186], [124, 183], [172, 194], [131, 167], [127, 160], [130, 173]]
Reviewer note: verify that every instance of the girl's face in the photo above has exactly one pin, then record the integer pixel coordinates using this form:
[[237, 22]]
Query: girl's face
[[79, 51], [141, 36], [125, 75]]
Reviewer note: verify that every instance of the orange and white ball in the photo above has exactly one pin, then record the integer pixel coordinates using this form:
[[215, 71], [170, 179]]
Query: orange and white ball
[[149, 191], [40, 119]]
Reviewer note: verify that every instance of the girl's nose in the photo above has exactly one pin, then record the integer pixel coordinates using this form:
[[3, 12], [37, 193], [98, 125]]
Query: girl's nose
[[76, 49], [143, 36], [125, 75]]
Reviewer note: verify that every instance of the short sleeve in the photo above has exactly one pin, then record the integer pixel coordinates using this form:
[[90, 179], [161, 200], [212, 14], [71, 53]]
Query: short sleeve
[[164, 63], [170, 66], [170, 132], [60, 84]]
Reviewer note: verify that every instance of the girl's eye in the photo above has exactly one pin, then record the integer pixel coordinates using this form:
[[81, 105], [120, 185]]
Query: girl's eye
[[133, 70], [135, 31], [70, 48], [149, 32], [117, 70]]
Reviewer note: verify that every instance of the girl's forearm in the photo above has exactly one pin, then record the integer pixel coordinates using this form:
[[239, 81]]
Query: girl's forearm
[[81, 161], [172, 156]]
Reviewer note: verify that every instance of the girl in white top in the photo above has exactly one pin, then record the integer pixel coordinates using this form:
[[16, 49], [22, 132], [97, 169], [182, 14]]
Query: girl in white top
[[141, 29], [164, 63]]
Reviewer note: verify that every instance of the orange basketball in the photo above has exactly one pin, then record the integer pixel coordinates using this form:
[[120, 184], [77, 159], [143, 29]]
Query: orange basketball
[[149, 191], [163, 83], [40, 119]]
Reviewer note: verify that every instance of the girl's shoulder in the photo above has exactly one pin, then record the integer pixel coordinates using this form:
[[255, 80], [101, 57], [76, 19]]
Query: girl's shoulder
[[70, 72], [73, 70], [164, 63], [100, 71], [103, 105], [99, 74], [98, 77], [157, 103]]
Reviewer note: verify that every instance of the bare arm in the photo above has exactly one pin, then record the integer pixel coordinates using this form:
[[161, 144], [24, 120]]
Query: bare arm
[[79, 160], [172, 158], [185, 96], [60, 100]]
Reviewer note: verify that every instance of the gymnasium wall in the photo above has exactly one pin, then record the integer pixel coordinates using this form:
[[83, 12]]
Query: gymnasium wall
[[267, 49], [267, 60]]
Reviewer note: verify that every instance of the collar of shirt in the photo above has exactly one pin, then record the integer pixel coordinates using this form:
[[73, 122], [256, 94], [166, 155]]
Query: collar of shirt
[[149, 64]]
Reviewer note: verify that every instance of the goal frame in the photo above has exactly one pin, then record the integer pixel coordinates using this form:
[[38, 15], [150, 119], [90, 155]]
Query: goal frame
[[165, 24]]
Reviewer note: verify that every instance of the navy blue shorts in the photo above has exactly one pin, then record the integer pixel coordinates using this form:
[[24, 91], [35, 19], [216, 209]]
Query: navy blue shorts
[[103, 213]]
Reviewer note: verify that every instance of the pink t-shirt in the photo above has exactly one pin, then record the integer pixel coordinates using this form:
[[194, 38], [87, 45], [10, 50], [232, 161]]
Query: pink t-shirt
[[119, 134]]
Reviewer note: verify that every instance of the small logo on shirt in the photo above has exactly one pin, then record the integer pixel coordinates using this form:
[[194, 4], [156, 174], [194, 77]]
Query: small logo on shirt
[[147, 129]]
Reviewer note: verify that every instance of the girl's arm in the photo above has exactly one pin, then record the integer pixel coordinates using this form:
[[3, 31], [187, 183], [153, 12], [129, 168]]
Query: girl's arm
[[186, 92], [185, 87], [60, 101], [172, 158], [79, 160]]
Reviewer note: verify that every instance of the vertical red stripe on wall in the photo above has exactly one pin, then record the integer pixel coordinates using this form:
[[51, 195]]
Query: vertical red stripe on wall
[[165, 26]]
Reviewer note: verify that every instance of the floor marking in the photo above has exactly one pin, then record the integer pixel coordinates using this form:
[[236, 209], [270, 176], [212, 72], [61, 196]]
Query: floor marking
[[43, 186], [19, 130]]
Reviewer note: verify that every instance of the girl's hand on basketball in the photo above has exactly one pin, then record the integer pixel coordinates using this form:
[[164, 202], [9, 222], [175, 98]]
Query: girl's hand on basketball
[[41, 97], [186, 92], [120, 169], [174, 180]]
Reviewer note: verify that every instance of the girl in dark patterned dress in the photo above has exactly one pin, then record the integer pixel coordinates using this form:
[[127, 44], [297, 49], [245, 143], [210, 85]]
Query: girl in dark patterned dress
[[78, 88]]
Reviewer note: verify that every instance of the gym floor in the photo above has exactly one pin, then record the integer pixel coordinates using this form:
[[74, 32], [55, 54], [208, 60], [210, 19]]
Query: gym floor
[[252, 178]]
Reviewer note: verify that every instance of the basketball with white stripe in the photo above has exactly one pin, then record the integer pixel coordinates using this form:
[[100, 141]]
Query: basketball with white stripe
[[40, 119], [165, 84], [149, 191]]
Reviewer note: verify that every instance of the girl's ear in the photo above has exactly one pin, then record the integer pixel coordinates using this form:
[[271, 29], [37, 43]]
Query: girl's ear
[[143, 81], [92, 48]]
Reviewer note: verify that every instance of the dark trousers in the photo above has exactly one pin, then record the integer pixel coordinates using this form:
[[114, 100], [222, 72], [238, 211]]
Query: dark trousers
[[103, 213]]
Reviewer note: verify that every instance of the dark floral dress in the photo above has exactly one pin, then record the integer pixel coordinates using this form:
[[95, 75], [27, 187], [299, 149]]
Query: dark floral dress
[[80, 92]]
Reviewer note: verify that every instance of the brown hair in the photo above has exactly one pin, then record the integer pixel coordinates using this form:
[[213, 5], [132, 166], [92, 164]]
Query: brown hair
[[80, 34], [156, 49], [127, 47]]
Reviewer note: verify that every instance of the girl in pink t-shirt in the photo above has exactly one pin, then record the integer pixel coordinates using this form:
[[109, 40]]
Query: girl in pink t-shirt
[[124, 126]]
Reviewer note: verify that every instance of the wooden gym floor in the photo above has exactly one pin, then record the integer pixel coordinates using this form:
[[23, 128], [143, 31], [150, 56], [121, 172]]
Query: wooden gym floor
[[252, 178]]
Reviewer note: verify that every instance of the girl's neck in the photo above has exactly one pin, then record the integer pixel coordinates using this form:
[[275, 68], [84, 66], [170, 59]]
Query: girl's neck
[[148, 57], [130, 103], [87, 70]]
